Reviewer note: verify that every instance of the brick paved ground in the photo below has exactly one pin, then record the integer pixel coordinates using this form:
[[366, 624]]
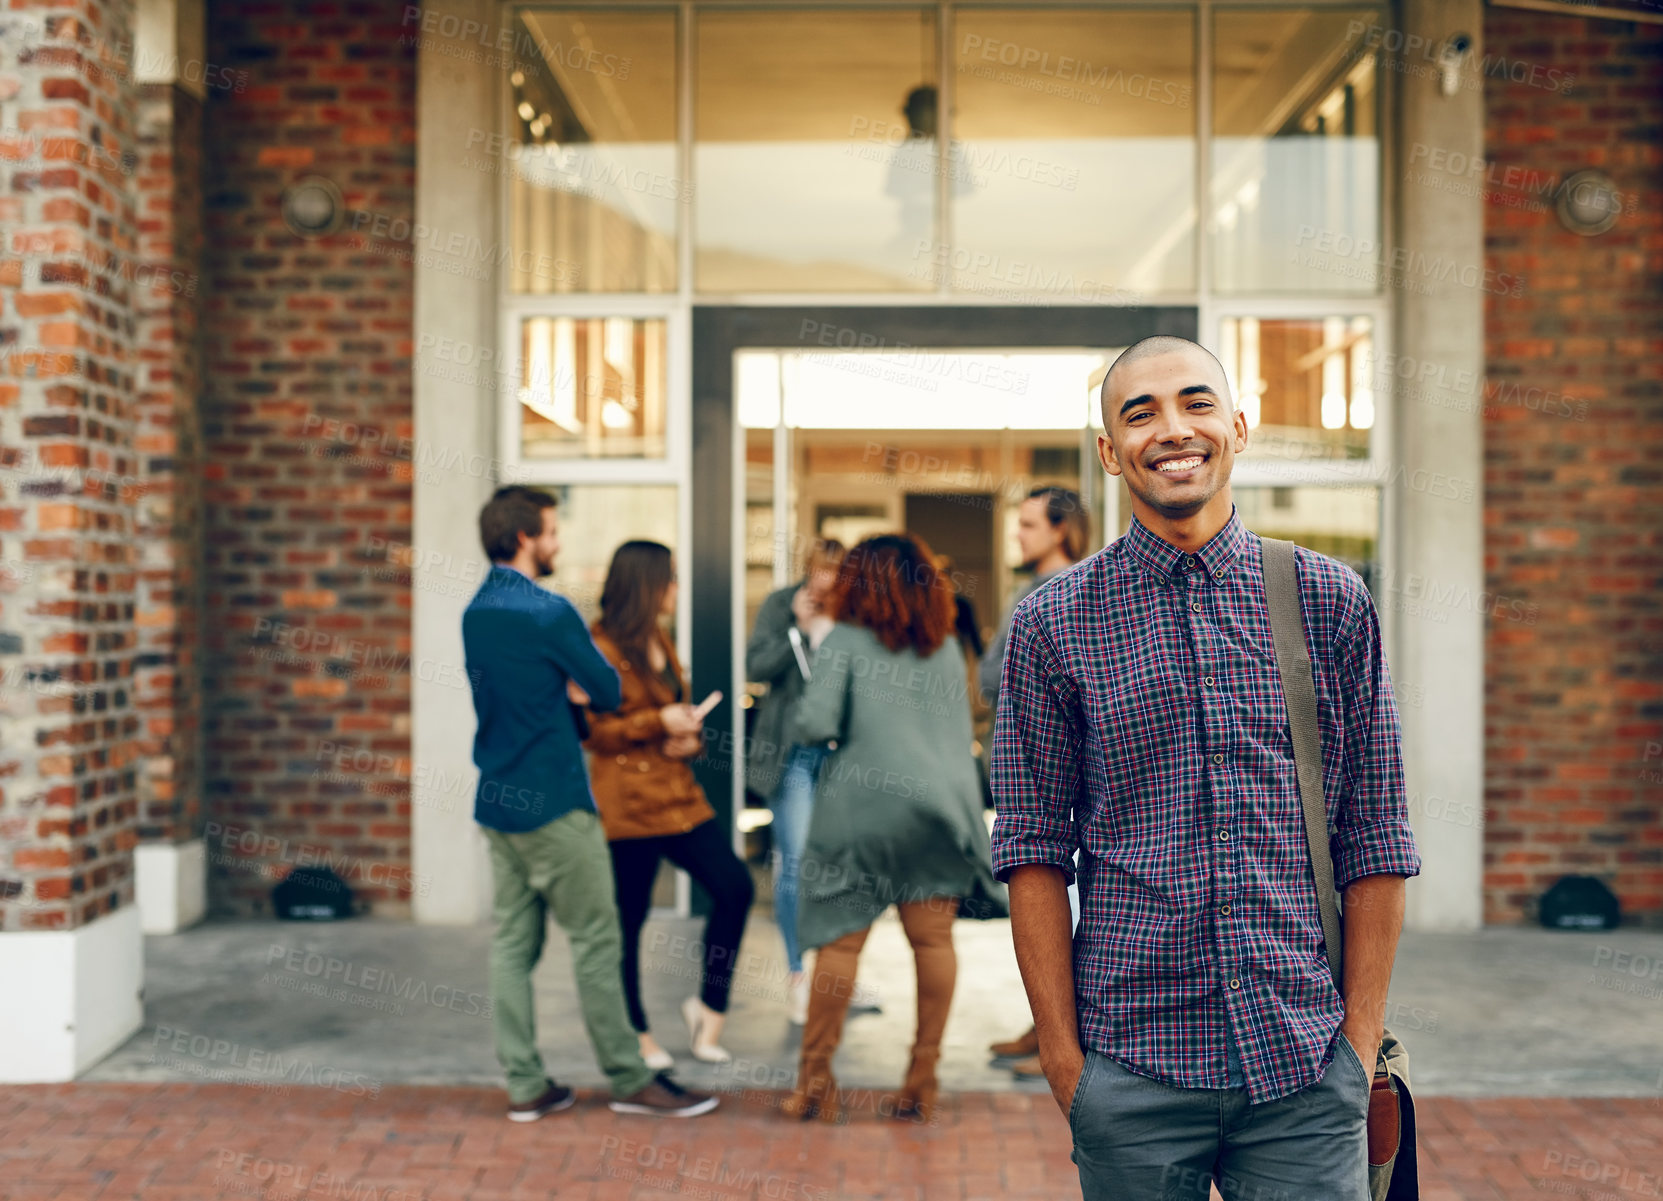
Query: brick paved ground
[[181, 1142]]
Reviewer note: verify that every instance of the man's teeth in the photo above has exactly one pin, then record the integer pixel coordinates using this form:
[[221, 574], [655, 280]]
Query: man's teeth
[[1179, 464]]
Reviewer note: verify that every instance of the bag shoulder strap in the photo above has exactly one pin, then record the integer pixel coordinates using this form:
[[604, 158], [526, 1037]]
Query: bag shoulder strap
[[1293, 663]]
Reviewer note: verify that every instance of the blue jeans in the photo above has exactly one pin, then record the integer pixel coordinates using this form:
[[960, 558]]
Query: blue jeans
[[1137, 1139], [792, 804]]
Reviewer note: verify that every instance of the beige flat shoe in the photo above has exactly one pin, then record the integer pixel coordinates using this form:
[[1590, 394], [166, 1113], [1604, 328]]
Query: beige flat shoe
[[693, 1013]]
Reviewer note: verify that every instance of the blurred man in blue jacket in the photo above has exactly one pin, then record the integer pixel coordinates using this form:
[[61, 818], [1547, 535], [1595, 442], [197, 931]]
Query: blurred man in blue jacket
[[525, 646]]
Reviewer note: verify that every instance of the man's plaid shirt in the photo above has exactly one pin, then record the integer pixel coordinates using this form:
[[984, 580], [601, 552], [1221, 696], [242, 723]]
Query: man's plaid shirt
[[1141, 721]]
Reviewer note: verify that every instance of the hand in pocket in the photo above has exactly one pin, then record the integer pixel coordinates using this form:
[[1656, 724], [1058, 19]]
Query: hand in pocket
[[1071, 1069]]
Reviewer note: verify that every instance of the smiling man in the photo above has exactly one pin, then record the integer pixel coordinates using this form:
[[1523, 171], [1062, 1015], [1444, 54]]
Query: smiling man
[[1190, 1028]]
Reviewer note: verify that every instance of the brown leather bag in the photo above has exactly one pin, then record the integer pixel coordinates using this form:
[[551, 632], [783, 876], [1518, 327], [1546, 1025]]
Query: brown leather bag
[[1393, 1172]]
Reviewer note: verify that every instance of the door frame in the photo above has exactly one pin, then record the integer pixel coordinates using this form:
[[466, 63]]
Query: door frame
[[717, 617]]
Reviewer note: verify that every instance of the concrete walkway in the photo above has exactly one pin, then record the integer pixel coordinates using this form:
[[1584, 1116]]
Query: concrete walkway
[[1504, 1012]]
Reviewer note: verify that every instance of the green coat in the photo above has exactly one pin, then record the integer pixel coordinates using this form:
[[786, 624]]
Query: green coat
[[770, 660], [898, 805]]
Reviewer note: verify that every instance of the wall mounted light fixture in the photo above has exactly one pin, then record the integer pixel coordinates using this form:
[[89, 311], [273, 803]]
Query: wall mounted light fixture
[[1588, 202], [313, 207]]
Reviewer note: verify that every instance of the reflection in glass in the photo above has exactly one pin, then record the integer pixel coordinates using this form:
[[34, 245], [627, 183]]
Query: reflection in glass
[[1341, 522], [1306, 386], [910, 388], [595, 519], [763, 542], [815, 149], [594, 195], [1295, 204], [1074, 132], [593, 387]]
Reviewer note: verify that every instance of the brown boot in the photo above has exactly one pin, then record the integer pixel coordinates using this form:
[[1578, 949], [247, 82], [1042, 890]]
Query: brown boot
[[929, 928], [815, 1095], [1017, 1048], [828, 1005], [1028, 1069], [916, 1100]]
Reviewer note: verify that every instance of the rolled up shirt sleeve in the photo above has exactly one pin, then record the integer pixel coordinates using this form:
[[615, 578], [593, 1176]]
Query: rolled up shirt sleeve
[[1036, 758], [1370, 834]]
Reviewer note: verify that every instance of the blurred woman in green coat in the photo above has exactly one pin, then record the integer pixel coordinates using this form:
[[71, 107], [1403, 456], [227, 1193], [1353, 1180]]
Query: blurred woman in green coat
[[897, 809]]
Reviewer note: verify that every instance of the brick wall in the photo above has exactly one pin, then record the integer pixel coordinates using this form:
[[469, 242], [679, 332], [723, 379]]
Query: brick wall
[[1574, 467], [308, 361], [167, 185], [68, 474]]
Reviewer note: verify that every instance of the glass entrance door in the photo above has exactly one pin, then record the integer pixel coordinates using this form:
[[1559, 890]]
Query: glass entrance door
[[847, 419], [944, 444]]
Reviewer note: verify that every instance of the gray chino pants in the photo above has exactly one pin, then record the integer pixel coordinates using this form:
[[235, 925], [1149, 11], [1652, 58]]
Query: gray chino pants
[[1137, 1139]]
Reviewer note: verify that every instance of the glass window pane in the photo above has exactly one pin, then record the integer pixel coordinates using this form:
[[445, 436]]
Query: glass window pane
[[1343, 523], [593, 387], [1306, 386], [591, 153], [1073, 153], [1295, 204], [815, 149], [910, 388], [595, 519]]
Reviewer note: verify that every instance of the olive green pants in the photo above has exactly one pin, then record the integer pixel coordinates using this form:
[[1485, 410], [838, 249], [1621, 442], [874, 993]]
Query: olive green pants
[[562, 868]]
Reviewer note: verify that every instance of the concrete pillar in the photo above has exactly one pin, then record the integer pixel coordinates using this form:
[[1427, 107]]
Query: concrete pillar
[[71, 949], [171, 78], [457, 94], [1439, 563]]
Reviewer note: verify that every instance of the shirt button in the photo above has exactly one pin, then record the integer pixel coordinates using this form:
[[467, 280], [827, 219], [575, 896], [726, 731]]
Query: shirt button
[[1234, 983], [1218, 575], [1195, 606], [1225, 910], [1218, 758], [1224, 836], [1207, 680]]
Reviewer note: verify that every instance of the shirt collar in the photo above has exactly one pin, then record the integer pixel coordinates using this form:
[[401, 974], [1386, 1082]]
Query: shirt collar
[[1167, 562]]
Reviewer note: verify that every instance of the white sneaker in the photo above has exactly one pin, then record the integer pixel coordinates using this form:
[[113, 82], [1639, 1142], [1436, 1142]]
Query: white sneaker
[[796, 995]]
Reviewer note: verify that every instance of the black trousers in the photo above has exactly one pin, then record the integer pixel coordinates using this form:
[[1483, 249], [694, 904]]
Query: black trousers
[[703, 853]]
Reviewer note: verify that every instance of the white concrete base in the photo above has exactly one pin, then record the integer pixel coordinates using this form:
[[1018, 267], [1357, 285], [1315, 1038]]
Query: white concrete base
[[70, 997], [171, 884]]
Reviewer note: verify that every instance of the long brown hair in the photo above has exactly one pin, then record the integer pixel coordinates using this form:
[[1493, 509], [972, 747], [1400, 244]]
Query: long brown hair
[[636, 581], [1063, 507], [891, 585]]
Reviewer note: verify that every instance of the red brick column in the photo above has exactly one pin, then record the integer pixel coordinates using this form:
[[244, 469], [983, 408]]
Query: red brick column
[[1573, 447], [68, 813], [308, 358], [168, 522]]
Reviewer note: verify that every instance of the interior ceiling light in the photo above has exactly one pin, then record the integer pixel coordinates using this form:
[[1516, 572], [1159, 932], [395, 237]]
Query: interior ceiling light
[[526, 111], [517, 79]]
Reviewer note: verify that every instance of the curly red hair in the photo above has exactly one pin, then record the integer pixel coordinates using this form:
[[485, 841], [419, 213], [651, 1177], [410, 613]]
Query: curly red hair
[[891, 585]]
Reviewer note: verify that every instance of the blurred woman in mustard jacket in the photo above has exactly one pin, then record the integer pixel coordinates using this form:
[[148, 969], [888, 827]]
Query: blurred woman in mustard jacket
[[650, 803]]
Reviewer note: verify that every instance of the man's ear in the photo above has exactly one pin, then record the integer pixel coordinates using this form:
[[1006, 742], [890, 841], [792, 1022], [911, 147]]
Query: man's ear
[[1106, 455], [1240, 422]]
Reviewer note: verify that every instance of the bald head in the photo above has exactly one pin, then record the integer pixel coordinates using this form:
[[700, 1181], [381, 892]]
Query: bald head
[[1154, 347]]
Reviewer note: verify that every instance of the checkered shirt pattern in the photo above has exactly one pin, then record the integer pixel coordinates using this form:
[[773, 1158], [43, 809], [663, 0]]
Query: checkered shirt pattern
[[1141, 722]]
